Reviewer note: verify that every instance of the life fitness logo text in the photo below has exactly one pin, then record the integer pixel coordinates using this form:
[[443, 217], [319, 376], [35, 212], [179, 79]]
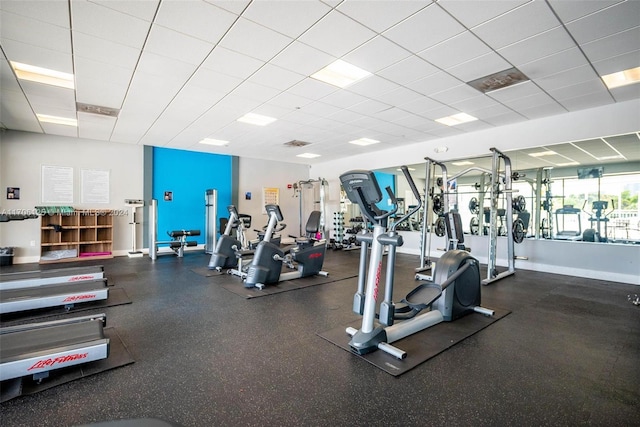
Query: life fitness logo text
[[47, 363], [73, 298], [79, 278]]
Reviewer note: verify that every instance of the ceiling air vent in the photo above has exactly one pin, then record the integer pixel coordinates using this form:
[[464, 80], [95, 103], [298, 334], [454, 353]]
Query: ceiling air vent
[[296, 143], [96, 109], [498, 80]]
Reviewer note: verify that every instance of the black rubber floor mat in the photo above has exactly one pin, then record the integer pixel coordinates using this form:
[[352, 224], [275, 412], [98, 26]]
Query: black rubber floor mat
[[420, 346], [118, 356], [235, 284]]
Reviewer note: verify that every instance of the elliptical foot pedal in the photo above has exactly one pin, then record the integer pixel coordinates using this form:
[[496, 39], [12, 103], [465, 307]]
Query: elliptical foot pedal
[[423, 296]]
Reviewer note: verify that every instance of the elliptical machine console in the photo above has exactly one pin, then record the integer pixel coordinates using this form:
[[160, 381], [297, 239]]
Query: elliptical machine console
[[454, 292]]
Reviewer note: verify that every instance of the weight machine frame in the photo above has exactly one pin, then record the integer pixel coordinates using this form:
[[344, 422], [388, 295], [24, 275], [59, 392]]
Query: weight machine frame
[[495, 175]]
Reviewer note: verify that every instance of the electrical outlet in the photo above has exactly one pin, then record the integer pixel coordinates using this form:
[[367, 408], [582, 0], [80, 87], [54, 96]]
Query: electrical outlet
[[33, 243]]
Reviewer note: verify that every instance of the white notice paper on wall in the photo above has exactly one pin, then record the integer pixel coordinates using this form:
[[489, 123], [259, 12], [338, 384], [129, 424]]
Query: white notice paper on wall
[[95, 186], [57, 184]]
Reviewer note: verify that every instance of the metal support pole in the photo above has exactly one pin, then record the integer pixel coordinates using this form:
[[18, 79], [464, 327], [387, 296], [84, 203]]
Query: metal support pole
[[538, 201], [211, 220], [153, 229]]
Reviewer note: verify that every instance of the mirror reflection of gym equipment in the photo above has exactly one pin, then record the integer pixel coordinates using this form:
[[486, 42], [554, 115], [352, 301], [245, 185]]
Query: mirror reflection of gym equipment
[[500, 187]]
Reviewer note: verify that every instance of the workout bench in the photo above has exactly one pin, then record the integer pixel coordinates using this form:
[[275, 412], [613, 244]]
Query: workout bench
[[179, 240]]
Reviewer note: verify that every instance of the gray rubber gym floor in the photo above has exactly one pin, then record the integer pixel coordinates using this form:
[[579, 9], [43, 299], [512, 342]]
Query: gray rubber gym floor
[[568, 354]]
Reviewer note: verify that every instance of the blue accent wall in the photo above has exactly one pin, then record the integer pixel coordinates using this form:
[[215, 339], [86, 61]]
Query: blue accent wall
[[188, 174], [385, 180]]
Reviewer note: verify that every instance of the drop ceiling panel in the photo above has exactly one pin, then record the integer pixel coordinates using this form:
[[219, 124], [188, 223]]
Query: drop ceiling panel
[[70, 131], [92, 126], [336, 34], [36, 33], [456, 94], [380, 15], [465, 45], [289, 101], [51, 12], [255, 92], [232, 63], [421, 105], [106, 23], [376, 54], [553, 64], [612, 20], [398, 96], [590, 86], [473, 12], [475, 103], [169, 69], [373, 86], [196, 19], [614, 45], [287, 17], [63, 100], [537, 47], [549, 108], [40, 90], [172, 44], [425, 29], [627, 145], [16, 113], [276, 77], [596, 148], [434, 83], [479, 67], [505, 119], [515, 92], [212, 80], [528, 20], [626, 93], [145, 10], [571, 10], [87, 46], [312, 89], [566, 78], [408, 70], [233, 6], [34, 55], [254, 40], [300, 58], [587, 101], [617, 63]]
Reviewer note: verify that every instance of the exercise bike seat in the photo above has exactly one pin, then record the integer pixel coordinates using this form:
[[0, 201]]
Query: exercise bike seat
[[423, 296]]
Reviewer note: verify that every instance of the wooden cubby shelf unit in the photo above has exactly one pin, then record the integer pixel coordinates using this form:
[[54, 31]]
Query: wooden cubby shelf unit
[[75, 236]]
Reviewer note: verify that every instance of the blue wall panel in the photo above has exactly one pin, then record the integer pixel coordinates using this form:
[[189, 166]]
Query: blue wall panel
[[385, 180], [188, 174]]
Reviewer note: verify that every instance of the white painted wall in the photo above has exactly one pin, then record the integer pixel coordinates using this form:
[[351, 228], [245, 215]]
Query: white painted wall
[[254, 175], [21, 161]]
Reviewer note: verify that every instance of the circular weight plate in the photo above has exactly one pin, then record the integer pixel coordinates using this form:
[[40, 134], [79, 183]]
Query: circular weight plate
[[474, 225], [441, 227], [518, 231], [474, 208], [519, 204], [438, 206]]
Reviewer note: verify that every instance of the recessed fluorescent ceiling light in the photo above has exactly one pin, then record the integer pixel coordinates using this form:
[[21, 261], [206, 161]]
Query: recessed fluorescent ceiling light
[[308, 155], [256, 119], [543, 153], [364, 141], [57, 120], [456, 119], [441, 149], [568, 164], [622, 78], [217, 142], [341, 74], [464, 163], [615, 156], [42, 75]]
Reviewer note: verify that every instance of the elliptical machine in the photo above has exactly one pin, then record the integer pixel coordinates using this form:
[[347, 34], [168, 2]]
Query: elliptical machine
[[226, 255], [307, 256], [454, 292]]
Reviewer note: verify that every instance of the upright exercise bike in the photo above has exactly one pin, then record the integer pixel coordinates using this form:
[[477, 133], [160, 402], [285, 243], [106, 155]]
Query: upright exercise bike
[[454, 292], [306, 257], [227, 254]]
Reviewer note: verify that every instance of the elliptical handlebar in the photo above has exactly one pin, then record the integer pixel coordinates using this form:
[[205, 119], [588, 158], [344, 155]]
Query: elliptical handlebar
[[416, 193], [394, 201]]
